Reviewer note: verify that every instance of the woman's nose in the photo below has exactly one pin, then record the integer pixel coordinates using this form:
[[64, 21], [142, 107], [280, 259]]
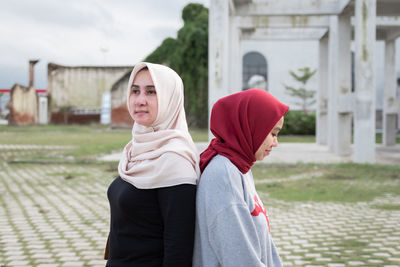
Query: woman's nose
[[140, 99], [275, 143]]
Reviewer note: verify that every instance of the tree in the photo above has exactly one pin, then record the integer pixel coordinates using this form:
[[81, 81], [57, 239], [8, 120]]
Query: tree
[[188, 56], [163, 53], [306, 96]]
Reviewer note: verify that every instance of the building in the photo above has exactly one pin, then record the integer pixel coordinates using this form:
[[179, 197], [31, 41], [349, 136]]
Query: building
[[286, 35], [76, 92]]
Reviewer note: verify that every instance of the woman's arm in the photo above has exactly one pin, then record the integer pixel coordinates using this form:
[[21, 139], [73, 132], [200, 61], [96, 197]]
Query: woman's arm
[[177, 204]]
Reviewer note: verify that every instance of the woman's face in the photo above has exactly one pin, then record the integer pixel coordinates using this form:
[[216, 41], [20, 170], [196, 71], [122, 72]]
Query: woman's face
[[270, 141], [143, 99]]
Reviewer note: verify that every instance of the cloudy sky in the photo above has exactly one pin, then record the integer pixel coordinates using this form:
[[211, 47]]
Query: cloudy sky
[[81, 32]]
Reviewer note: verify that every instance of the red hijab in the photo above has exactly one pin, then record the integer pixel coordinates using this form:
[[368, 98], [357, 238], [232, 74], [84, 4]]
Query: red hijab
[[240, 123]]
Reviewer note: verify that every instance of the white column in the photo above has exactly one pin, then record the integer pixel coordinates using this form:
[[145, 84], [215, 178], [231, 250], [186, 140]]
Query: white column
[[333, 54], [365, 81], [322, 94], [389, 96], [105, 115], [43, 107], [343, 90], [235, 58], [218, 51]]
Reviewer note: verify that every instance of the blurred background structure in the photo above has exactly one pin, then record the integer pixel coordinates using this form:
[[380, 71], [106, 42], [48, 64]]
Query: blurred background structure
[[334, 62], [338, 38]]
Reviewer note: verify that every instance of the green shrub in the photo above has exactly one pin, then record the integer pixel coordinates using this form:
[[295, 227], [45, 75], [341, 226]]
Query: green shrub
[[298, 123]]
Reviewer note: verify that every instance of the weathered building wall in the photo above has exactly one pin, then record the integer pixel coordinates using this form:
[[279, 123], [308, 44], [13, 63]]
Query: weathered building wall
[[80, 86], [119, 112], [23, 105]]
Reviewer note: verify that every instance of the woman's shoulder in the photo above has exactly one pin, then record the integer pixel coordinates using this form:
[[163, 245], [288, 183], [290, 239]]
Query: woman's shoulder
[[220, 171], [220, 165]]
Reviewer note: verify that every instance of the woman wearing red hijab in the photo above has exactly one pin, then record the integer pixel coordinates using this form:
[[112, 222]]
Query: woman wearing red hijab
[[232, 227]]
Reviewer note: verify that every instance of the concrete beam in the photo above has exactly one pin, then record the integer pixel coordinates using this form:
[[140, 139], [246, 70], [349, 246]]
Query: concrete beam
[[241, 2], [283, 34], [312, 21], [293, 7], [385, 21], [282, 21]]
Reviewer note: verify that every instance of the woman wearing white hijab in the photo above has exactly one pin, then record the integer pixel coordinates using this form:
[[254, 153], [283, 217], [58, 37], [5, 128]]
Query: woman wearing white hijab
[[152, 202]]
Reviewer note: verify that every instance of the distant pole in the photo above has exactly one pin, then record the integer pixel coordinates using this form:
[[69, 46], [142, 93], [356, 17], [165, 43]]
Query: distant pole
[[31, 72], [105, 114]]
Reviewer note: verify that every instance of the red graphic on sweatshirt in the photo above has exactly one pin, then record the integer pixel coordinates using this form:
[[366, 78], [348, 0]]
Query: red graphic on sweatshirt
[[260, 208]]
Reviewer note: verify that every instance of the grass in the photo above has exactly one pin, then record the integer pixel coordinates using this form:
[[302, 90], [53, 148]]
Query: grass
[[345, 182], [199, 135], [335, 182], [88, 140], [296, 138], [387, 206], [281, 170], [378, 139]]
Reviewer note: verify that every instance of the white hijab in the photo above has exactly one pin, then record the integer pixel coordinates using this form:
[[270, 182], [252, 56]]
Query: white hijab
[[163, 154]]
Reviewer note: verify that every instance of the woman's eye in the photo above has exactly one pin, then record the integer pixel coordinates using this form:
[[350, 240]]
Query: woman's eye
[[135, 91], [151, 92]]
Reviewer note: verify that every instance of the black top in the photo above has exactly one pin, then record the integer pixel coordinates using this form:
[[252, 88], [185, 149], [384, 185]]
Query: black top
[[151, 227]]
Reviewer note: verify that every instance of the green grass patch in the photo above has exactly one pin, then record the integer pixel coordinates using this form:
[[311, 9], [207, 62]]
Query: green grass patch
[[378, 139], [346, 182], [199, 135], [88, 140], [263, 171], [296, 138], [387, 206]]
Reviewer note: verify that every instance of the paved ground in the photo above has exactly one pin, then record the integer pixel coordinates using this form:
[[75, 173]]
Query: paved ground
[[58, 215]]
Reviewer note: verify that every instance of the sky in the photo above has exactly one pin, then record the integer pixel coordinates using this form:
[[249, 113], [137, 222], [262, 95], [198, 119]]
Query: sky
[[81, 32]]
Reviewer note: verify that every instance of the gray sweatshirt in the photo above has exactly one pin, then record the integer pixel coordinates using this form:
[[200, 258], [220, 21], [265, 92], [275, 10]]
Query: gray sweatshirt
[[232, 226]]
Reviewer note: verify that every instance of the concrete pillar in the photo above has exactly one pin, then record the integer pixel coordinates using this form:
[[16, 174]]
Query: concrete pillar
[[365, 81], [235, 58], [322, 94], [333, 54], [389, 96], [218, 52], [345, 107], [339, 84]]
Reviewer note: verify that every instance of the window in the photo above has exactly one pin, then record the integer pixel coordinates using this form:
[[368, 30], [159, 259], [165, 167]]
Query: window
[[254, 71]]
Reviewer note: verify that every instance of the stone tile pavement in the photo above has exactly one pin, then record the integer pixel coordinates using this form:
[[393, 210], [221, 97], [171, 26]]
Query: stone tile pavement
[[58, 215]]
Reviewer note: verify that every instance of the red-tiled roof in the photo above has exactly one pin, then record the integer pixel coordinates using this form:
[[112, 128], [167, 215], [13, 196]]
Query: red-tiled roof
[[42, 91]]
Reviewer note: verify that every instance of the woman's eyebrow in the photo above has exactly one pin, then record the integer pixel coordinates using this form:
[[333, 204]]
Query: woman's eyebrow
[[277, 128], [147, 86]]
